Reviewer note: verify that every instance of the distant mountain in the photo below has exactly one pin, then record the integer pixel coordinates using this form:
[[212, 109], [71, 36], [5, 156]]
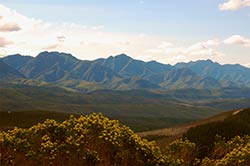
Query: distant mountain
[[92, 72], [55, 66], [8, 73], [228, 74], [49, 67], [128, 67], [17, 61], [184, 78], [123, 72]]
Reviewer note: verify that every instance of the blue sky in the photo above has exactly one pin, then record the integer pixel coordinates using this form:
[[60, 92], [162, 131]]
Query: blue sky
[[163, 17], [183, 23]]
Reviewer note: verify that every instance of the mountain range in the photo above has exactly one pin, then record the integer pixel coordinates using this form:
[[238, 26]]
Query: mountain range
[[120, 72]]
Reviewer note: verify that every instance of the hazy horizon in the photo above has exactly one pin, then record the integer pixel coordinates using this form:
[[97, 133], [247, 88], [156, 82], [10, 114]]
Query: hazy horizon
[[130, 57]]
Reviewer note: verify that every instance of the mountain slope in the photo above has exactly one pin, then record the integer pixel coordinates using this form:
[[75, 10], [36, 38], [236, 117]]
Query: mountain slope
[[183, 78], [132, 83], [8, 73], [122, 72], [49, 67], [17, 61], [127, 67], [88, 71], [55, 66], [228, 73]]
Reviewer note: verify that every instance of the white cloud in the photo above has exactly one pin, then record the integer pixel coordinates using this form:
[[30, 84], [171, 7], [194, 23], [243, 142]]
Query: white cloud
[[179, 58], [199, 50], [204, 48], [239, 40], [61, 38], [9, 27], [51, 47], [4, 42], [247, 65], [142, 35], [165, 45], [2, 52], [234, 4]]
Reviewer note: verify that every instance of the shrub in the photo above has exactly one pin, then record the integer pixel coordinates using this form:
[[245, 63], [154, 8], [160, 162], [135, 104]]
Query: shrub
[[88, 140]]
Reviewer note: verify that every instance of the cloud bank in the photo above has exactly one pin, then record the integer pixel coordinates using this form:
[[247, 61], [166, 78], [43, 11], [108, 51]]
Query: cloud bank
[[199, 50]]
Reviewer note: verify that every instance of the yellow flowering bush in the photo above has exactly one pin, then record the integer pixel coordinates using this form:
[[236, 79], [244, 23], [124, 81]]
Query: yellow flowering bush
[[98, 141], [233, 152], [88, 140], [180, 152]]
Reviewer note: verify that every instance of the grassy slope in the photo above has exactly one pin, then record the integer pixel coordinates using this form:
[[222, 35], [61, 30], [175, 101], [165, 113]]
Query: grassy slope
[[166, 135], [135, 110]]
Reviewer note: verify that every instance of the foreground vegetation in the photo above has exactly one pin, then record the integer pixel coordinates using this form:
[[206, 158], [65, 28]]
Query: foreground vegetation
[[88, 140], [237, 124], [96, 140]]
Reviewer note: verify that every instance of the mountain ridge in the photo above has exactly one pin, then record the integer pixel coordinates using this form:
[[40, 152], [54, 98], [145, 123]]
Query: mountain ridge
[[122, 72]]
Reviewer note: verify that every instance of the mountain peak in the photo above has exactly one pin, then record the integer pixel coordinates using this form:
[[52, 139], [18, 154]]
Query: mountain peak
[[18, 56], [15, 55], [54, 54], [123, 56], [198, 62], [208, 61]]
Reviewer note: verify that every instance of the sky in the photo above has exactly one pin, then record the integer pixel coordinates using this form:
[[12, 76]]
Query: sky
[[168, 31]]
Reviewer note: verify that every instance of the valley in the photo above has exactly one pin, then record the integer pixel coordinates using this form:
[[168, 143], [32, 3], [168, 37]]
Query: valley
[[137, 93], [124, 83]]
